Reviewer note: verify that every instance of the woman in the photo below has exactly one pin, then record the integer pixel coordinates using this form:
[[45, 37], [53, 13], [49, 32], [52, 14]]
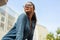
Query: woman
[[25, 25]]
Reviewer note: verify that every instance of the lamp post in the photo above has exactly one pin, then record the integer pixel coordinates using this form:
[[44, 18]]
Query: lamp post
[[3, 2]]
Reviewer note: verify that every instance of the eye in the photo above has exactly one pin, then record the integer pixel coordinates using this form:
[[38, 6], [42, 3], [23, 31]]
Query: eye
[[28, 5]]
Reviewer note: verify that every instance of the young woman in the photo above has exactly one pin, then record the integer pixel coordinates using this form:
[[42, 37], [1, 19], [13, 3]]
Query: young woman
[[25, 25]]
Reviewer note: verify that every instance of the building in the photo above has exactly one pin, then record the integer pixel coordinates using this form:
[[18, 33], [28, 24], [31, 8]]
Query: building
[[40, 33], [6, 19]]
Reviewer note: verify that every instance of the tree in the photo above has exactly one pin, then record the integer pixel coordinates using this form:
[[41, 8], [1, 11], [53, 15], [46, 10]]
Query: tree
[[58, 31], [50, 36], [58, 34]]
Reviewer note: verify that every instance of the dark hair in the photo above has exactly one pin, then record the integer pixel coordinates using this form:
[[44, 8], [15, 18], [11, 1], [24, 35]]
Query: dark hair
[[32, 4], [34, 16]]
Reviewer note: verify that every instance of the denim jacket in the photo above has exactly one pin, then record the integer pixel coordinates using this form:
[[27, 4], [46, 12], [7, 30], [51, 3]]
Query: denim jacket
[[21, 29]]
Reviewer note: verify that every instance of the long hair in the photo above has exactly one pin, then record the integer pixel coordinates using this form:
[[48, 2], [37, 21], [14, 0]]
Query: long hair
[[34, 15], [34, 18], [32, 4]]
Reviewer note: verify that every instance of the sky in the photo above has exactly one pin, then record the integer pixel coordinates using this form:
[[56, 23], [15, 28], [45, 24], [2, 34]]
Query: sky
[[47, 12]]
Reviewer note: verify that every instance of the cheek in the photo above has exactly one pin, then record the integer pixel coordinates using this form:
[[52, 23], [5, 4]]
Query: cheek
[[31, 9]]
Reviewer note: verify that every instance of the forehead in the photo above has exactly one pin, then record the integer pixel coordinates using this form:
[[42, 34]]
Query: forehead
[[28, 3]]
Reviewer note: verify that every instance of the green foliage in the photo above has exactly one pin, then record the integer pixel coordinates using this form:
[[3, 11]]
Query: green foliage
[[58, 38], [58, 31], [50, 36]]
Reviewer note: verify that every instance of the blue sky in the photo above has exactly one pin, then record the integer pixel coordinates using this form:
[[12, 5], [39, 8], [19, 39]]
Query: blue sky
[[47, 11]]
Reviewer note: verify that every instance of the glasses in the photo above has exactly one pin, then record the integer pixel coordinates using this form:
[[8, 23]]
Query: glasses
[[28, 5]]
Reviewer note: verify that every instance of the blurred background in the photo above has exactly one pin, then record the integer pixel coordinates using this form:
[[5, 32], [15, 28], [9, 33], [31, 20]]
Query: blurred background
[[47, 12]]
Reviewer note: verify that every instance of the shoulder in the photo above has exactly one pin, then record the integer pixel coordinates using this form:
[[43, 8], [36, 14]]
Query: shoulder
[[22, 16]]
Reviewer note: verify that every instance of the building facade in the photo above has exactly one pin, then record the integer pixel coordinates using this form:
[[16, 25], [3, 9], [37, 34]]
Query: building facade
[[40, 33], [7, 20]]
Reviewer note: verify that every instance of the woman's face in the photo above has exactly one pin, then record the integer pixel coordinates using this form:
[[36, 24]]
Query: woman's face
[[28, 8]]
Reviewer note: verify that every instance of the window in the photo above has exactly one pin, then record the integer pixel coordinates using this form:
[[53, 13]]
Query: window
[[3, 13], [2, 19], [2, 25]]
